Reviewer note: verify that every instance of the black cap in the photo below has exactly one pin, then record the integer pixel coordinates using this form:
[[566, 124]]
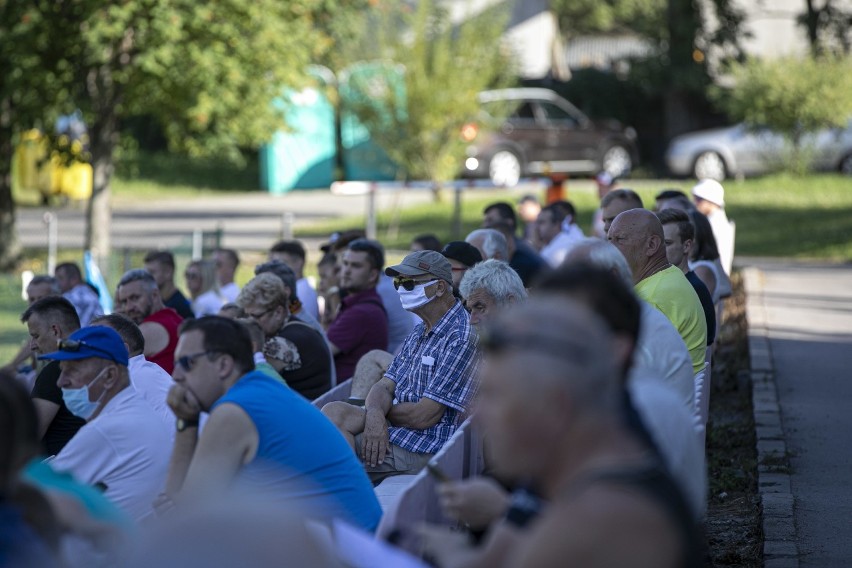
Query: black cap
[[463, 252]]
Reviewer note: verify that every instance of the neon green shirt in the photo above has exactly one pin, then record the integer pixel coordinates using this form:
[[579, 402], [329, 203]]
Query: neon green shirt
[[670, 292]]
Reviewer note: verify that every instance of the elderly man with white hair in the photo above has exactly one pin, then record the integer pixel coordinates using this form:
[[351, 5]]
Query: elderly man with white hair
[[490, 242], [660, 380], [660, 351], [488, 287]]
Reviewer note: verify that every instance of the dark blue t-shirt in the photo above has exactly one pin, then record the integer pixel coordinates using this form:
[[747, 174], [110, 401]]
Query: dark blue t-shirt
[[526, 262], [706, 304], [301, 455]]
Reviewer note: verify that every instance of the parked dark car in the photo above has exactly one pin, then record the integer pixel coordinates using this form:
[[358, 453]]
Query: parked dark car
[[543, 134]]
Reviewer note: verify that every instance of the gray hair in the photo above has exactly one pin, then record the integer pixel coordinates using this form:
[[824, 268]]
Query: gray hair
[[282, 271], [46, 279], [493, 242], [138, 275], [601, 254], [495, 277]]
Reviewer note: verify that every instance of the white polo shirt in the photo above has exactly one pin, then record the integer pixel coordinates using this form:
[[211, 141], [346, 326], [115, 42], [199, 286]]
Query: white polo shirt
[[153, 384], [308, 296], [672, 427], [230, 291], [556, 250], [126, 448]]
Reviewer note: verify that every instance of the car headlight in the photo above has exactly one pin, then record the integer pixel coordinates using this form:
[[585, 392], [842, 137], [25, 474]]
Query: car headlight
[[630, 133]]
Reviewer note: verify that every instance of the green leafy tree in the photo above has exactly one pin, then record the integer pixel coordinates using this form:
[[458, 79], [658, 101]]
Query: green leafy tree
[[579, 17], [206, 71], [416, 110], [829, 26], [818, 95]]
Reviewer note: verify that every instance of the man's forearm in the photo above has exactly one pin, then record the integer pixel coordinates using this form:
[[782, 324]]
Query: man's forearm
[[380, 398], [184, 449], [412, 415]]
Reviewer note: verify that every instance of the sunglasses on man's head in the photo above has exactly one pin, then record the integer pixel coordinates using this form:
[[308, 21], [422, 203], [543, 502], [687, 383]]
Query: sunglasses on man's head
[[409, 283], [74, 345]]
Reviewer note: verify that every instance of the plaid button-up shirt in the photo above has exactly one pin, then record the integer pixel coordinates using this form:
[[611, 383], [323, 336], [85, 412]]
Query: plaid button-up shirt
[[440, 365]]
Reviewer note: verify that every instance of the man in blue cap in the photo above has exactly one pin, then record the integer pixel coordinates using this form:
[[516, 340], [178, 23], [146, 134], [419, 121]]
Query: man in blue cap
[[124, 446]]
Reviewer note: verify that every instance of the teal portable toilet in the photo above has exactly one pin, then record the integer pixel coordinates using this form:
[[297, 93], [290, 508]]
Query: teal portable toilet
[[303, 157], [366, 84]]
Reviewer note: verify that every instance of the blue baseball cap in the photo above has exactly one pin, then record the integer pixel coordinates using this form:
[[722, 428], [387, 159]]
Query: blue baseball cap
[[93, 341]]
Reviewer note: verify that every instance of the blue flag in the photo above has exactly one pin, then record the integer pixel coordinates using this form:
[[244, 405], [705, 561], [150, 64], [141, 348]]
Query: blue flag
[[96, 279]]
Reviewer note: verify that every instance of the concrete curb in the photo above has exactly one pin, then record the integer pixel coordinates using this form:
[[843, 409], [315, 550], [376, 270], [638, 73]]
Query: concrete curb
[[780, 549]]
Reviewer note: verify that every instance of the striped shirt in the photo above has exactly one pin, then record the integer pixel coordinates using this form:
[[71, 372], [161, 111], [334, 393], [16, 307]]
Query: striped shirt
[[440, 365]]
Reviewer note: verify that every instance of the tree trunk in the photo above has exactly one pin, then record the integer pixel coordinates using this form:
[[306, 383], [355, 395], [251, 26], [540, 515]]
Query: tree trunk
[[812, 25], [683, 22], [104, 136], [9, 247]]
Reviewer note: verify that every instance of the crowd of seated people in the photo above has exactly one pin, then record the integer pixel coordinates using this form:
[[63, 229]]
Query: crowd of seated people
[[576, 357]]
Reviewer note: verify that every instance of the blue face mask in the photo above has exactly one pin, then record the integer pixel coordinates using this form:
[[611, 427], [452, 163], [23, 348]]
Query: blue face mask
[[77, 400]]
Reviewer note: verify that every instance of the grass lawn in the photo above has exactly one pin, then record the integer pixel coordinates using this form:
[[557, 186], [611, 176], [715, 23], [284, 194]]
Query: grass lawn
[[776, 216], [782, 216], [12, 331]]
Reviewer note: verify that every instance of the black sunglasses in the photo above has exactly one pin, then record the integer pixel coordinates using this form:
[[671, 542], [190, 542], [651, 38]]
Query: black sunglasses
[[495, 340], [187, 361], [408, 283], [74, 345]]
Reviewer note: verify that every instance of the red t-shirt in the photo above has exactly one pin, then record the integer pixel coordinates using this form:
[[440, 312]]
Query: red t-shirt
[[171, 320]]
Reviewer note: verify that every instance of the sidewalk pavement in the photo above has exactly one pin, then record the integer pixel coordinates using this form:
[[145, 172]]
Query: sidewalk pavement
[[800, 334]]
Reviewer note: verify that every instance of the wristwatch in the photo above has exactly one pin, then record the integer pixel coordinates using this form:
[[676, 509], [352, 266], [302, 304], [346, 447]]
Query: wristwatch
[[182, 424]]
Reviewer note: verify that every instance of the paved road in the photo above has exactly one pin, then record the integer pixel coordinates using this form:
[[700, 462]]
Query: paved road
[[249, 221], [809, 313]]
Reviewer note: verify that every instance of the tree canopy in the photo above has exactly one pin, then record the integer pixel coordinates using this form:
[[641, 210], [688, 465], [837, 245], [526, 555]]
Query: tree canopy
[[417, 118], [206, 71]]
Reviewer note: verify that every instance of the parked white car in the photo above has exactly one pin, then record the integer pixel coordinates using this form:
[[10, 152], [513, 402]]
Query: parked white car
[[742, 151]]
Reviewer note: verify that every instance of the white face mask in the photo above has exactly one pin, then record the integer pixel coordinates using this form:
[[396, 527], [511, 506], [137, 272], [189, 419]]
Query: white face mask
[[416, 298]]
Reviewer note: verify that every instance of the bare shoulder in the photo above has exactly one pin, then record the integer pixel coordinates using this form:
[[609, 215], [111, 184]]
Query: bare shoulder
[[152, 327], [229, 426], [603, 526]]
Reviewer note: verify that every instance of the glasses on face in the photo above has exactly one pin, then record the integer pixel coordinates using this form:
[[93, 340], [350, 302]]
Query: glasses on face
[[74, 345], [409, 283], [494, 340], [260, 315], [192, 275], [188, 361]]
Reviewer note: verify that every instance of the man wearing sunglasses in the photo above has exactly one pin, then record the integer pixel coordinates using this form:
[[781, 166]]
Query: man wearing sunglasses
[[124, 445], [259, 432], [417, 405]]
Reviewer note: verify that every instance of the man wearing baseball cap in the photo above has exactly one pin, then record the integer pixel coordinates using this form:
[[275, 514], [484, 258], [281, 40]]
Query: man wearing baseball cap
[[124, 446], [432, 379], [709, 196], [462, 257]]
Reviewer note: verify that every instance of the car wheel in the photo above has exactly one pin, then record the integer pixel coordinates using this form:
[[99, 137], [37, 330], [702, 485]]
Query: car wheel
[[846, 165], [617, 161], [709, 165], [504, 168]]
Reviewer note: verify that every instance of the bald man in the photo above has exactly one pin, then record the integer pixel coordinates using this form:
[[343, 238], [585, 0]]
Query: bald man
[[638, 234]]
